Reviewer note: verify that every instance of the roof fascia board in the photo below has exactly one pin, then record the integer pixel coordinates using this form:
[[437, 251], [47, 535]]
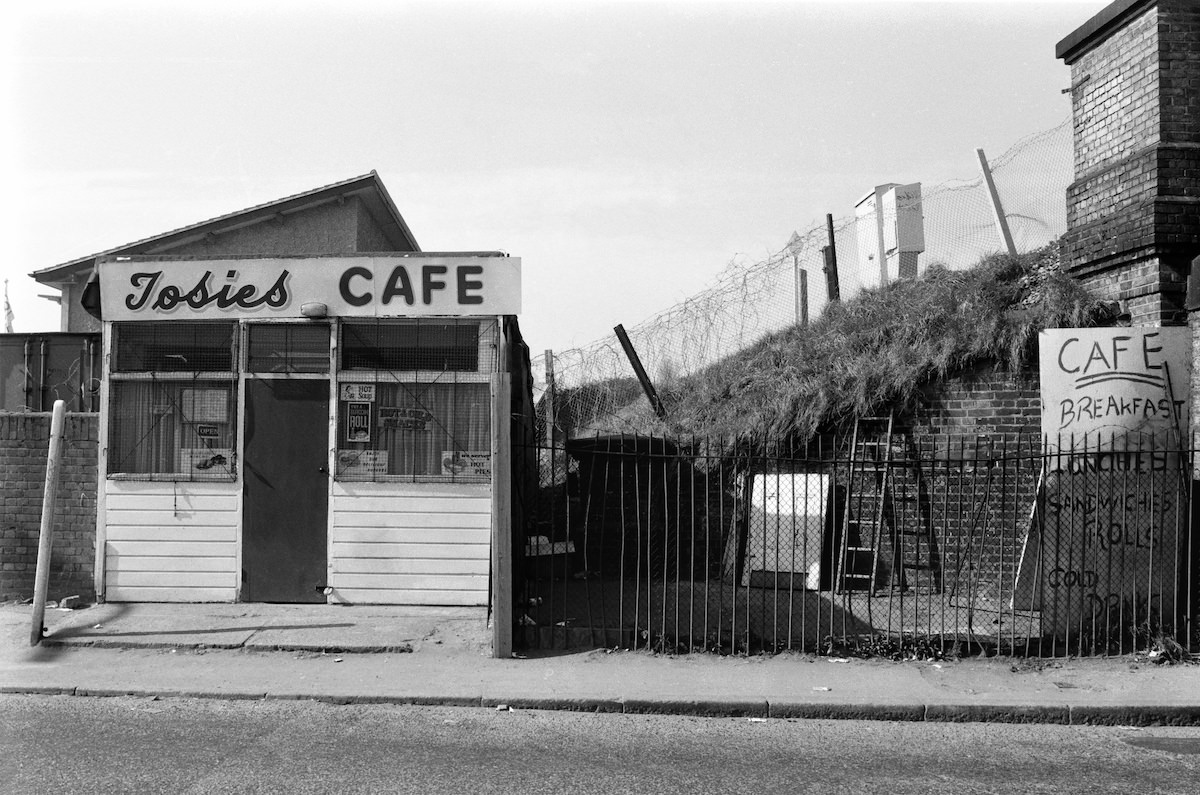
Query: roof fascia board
[[1099, 27], [236, 220]]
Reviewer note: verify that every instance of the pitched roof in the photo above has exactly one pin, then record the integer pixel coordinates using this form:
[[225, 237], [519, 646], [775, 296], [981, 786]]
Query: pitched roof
[[368, 186]]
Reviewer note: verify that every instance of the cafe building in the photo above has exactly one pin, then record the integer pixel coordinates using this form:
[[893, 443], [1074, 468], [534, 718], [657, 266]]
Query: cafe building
[[305, 428]]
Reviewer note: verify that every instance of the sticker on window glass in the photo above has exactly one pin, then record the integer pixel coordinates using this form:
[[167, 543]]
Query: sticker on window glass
[[359, 393], [358, 422], [356, 464], [404, 419], [210, 460], [460, 462]]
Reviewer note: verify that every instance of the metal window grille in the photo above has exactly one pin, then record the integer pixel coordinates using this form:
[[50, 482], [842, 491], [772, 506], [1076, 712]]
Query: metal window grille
[[173, 347], [418, 344], [288, 348], [176, 430], [172, 401], [414, 400]]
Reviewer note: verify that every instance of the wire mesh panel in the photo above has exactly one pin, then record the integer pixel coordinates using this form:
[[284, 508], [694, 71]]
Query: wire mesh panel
[[414, 400], [172, 401], [173, 347], [288, 348], [178, 430]]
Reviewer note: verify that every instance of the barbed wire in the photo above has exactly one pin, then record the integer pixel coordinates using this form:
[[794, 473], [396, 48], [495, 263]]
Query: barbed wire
[[749, 299]]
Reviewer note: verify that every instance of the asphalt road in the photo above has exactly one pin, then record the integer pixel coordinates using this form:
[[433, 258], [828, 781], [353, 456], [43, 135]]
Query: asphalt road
[[112, 745]]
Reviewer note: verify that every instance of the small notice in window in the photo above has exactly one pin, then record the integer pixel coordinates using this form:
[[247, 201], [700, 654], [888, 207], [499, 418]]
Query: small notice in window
[[358, 422], [362, 464], [358, 393], [404, 419], [204, 405], [207, 431], [458, 462], [206, 460]]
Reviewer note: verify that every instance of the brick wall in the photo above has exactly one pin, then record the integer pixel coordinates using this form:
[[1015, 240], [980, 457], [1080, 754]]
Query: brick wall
[[1133, 212], [982, 431], [24, 439]]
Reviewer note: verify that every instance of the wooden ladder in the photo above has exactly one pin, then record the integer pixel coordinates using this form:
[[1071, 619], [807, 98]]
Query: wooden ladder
[[869, 473], [887, 539], [914, 555]]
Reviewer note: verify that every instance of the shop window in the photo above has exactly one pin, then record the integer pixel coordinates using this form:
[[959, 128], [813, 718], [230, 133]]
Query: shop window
[[433, 345], [173, 347], [414, 400], [166, 420], [288, 348]]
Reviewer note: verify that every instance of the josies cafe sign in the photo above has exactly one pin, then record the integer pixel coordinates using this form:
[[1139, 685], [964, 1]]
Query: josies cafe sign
[[1114, 414], [133, 288]]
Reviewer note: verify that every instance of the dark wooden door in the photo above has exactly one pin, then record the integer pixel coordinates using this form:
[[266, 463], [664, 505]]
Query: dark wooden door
[[286, 491]]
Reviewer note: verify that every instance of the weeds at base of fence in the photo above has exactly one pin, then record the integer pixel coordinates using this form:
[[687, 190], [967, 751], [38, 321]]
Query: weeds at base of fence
[[901, 648], [905, 647]]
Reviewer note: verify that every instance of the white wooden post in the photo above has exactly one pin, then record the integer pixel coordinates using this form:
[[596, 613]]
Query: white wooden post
[[502, 530], [46, 537]]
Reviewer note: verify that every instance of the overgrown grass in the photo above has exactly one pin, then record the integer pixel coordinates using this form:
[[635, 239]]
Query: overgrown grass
[[876, 350]]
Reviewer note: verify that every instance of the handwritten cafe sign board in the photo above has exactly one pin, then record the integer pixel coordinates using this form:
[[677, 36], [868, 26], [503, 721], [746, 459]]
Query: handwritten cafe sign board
[[1122, 385], [139, 288], [1114, 411]]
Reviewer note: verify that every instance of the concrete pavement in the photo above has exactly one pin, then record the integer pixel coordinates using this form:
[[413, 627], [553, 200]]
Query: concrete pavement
[[411, 655]]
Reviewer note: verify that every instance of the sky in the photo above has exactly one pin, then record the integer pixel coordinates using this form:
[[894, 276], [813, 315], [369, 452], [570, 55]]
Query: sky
[[626, 152]]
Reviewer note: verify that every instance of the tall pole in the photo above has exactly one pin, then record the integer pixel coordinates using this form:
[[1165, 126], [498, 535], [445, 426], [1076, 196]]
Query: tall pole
[[997, 208], [46, 536]]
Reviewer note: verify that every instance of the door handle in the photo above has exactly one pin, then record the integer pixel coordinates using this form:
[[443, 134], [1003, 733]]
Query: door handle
[[323, 470]]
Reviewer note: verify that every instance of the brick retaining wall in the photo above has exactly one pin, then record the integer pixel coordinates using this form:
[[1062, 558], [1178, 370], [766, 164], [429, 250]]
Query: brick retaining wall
[[24, 439]]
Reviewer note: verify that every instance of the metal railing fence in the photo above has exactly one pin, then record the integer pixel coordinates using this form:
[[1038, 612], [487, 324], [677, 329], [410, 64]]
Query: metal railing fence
[[927, 546]]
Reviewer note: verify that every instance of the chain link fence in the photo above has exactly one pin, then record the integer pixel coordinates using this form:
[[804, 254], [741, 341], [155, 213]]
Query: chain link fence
[[752, 298]]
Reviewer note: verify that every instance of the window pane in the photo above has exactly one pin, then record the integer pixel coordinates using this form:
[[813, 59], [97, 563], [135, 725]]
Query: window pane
[[173, 347], [277, 348], [180, 428], [439, 345], [419, 431]]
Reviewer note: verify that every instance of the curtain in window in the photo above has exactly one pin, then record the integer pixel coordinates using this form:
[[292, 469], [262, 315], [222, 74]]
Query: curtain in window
[[172, 427]]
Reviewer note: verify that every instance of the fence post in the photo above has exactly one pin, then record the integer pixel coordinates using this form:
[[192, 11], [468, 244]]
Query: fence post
[[997, 207], [831, 266], [639, 371], [502, 529], [46, 536], [549, 399]]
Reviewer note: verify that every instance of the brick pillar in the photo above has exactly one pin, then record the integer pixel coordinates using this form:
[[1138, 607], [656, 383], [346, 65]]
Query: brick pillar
[[1133, 211]]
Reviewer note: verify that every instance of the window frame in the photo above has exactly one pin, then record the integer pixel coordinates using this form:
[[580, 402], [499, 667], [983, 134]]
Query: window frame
[[229, 378], [488, 339]]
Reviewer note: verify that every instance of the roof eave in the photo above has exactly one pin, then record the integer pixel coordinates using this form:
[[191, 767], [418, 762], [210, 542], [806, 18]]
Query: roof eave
[[57, 274]]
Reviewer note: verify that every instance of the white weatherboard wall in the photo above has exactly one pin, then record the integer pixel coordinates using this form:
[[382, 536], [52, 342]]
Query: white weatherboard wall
[[410, 543], [171, 542]]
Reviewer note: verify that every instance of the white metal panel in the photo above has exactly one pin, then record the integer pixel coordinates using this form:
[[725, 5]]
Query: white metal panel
[[418, 582], [414, 520], [171, 541], [163, 594], [441, 598], [383, 549], [407, 565], [410, 543]]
